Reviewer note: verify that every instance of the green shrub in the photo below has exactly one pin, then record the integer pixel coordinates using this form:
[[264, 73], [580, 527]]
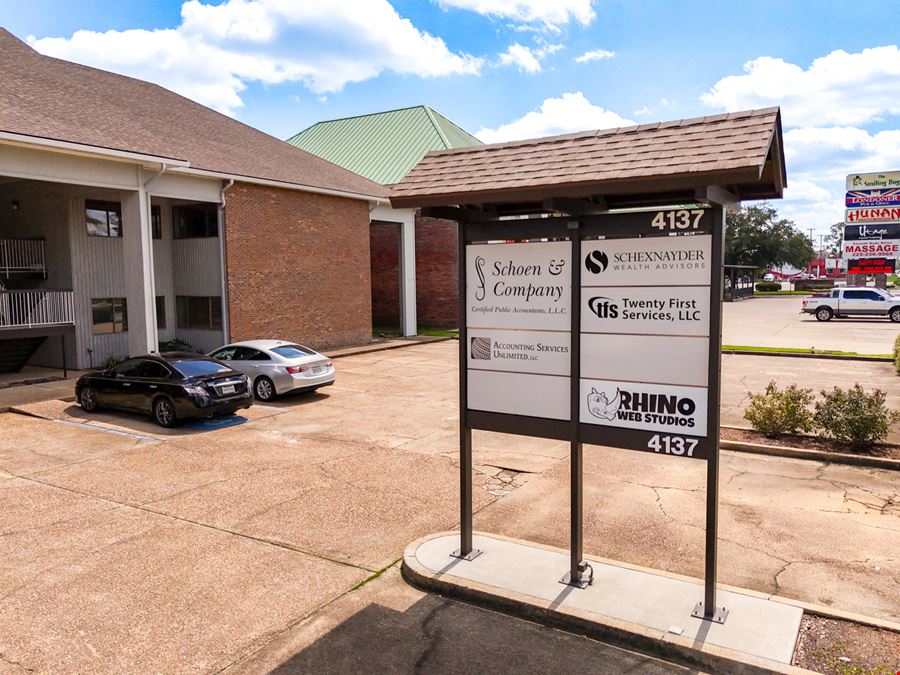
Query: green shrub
[[854, 417], [110, 362], [768, 286], [776, 412], [175, 345], [897, 354]]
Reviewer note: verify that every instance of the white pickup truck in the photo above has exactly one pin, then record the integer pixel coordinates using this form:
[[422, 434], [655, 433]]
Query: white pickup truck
[[853, 300]]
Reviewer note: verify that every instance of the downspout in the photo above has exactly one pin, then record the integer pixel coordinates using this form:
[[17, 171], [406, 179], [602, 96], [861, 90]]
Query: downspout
[[226, 323], [162, 169]]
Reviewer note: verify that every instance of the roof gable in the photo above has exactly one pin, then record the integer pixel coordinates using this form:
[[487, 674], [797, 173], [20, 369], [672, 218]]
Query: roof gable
[[54, 99], [383, 146]]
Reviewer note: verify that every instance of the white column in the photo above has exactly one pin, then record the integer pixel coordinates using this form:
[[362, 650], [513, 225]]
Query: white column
[[140, 286], [408, 322]]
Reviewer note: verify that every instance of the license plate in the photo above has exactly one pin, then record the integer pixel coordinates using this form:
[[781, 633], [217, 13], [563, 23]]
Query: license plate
[[228, 389], [318, 369]]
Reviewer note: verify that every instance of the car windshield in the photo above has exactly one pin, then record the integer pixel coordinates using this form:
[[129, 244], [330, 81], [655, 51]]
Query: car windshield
[[195, 367], [293, 351]]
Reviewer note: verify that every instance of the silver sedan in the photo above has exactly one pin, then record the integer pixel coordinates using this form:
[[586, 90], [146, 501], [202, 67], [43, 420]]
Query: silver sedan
[[277, 367]]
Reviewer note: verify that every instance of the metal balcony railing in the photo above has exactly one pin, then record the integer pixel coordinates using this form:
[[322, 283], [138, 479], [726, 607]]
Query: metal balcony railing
[[18, 256], [27, 309]]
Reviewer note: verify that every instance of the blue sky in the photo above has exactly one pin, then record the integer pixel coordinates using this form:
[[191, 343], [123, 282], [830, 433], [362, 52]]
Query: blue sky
[[507, 69]]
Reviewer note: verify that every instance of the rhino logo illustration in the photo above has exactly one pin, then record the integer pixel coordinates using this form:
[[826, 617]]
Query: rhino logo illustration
[[600, 407]]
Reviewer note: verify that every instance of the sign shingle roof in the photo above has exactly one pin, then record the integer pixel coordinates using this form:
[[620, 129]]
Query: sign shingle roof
[[49, 98], [740, 151]]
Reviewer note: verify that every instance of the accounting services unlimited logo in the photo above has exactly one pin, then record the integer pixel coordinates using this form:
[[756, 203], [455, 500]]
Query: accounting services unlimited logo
[[596, 262], [481, 348]]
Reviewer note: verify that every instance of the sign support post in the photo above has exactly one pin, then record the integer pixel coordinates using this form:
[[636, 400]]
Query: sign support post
[[466, 549], [577, 567], [707, 609]]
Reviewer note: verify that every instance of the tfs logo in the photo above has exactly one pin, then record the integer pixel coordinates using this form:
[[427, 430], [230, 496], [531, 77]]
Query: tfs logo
[[604, 308]]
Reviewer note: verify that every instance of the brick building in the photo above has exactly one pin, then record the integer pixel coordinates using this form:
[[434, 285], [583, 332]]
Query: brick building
[[130, 215], [384, 147]]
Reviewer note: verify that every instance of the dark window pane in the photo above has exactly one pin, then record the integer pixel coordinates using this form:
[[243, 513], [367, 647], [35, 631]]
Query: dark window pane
[[96, 222], [160, 311], [104, 219], [102, 309], [215, 313], [154, 370], [193, 367], [293, 351], [115, 223], [181, 311], [156, 221], [195, 220], [130, 368], [122, 314]]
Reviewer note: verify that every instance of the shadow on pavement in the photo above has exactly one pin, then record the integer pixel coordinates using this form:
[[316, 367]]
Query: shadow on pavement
[[436, 635]]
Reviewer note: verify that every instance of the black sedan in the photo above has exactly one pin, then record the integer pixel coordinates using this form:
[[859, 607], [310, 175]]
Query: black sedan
[[170, 386]]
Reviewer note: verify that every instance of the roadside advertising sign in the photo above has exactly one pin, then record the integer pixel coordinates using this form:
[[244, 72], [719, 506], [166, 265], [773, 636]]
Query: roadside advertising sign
[[873, 214], [871, 232], [871, 266], [858, 198], [637, 325], [873, 181], [884, 248]]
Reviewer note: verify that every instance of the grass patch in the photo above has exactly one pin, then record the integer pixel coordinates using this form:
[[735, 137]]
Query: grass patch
[[439, 332], [784, 292], [796, 350]]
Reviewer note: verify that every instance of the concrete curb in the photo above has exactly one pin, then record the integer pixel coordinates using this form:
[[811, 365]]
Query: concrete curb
[[710, 658], [815, 455], [804, 355], [371, 349]]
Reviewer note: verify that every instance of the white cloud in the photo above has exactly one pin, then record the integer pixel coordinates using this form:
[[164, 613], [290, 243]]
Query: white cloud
[[550, 14], [528, 60], [570, 112], [595, 55], [818, 161], [217, 49], [837, 89]]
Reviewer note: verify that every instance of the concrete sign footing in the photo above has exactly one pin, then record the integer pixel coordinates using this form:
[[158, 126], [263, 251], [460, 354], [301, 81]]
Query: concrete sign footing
[[647, 609]]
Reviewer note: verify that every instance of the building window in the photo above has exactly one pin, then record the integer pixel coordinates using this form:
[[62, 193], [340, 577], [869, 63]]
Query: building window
[[110, 315], [104, 219], [200, 312], [160, 311], [156, 221], [195, 220]]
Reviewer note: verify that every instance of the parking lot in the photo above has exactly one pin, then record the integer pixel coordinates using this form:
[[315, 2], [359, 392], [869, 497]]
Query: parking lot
[[776, 321], [259, 543]]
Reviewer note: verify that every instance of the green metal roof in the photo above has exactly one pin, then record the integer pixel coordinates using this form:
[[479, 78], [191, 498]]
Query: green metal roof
[[383, 146]]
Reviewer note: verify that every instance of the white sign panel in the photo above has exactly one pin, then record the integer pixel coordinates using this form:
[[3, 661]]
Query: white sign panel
[[519, 394], [519, 351], [883, 248], [872, 181], [650, 261], [651, 310], [519, 286], [645, 358], [648, 407], [874, 214]]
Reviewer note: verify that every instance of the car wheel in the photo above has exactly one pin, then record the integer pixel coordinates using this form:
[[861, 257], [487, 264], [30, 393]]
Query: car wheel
[[895, 314], [263, 389], [824, 314], [164, 412], [87, 399]]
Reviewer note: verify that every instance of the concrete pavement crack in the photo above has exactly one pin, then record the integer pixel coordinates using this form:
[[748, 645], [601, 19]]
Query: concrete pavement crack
[[433, 634]]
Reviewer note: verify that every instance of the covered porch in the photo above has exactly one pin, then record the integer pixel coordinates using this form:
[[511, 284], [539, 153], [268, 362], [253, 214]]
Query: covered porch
[[101, 259]]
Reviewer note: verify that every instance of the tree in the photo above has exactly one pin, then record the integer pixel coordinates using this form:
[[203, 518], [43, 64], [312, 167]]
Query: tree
[[757, 236], [834, 240]]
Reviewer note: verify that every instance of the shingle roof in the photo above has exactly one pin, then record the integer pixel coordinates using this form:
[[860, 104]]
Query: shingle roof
[[740, 151], [383, 146], [49, 98]]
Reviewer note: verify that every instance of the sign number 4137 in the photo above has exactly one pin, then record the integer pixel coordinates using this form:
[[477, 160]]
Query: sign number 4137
[[682, 219], [673, 445]]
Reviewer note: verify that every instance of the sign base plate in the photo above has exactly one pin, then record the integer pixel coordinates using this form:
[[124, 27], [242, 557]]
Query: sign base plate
[[719, 615], [471, 555], [579, 583]]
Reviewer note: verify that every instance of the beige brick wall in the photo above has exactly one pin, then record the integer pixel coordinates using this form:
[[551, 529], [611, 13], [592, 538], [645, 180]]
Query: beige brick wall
[[297, 266]]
